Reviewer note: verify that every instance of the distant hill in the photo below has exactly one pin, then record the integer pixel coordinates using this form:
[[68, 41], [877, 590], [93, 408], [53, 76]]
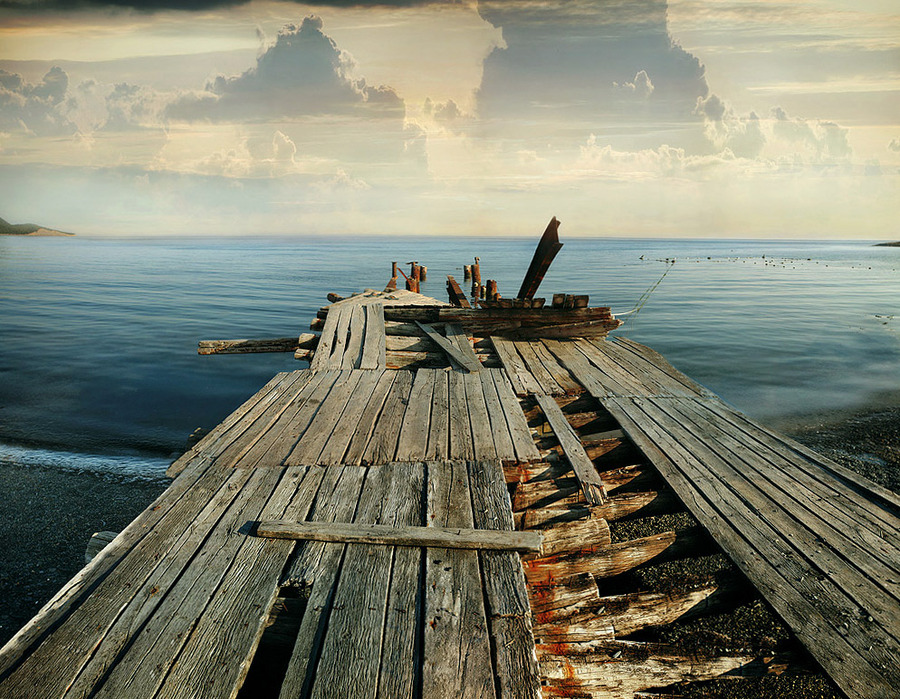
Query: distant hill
[[889, 245], [7, 228]]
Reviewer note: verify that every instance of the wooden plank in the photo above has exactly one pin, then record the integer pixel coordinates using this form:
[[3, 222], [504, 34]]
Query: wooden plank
[[457, 657], [461, 447], [460, 338], [502, 440], [373, 351], [591, 483], [247, 346], [437, 537], [584, 372], [519, 432], [457, 297], [392, 495], [439, 426], [656, 359], [568, 385], [383, 444], [316, 566], [482, 439], [365, 425], [341, 330], [504, 586], [413, 439], [537, 370], [340, 437], [546, 250], [322, 358], [615, 380], [522, 379], [356, 329], [808, 603], [462, 360]]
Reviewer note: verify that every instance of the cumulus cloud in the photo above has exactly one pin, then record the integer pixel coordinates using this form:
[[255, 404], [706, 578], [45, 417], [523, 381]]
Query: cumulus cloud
[[826, 139], [742, 136], [130, 107], [640, 87], [38, 108], [302, 73]]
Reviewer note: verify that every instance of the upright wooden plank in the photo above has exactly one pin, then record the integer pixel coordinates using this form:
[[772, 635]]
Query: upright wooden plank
[[439, 425], [591, 483], [356, 329], [523, 443], [413, 440], [460, 431], [339, 439], [461, 359], [316, 567], [392, 495], [306, 451], [457, 297], [516, 665], [373, 351], [457, 657], [502, 440], [482, 439], [546, 250], [383, 444], [366, 423]]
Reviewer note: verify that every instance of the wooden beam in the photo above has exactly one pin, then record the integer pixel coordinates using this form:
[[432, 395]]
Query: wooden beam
[[463, 360], [435, 537], [540, 263], [279, 344], [457, 297]]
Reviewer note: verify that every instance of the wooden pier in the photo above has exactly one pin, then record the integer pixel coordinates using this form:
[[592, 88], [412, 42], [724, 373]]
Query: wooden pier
[[369, 528]]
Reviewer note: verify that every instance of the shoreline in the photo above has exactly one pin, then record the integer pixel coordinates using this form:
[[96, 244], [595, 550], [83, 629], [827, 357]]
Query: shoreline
[[50, 514]]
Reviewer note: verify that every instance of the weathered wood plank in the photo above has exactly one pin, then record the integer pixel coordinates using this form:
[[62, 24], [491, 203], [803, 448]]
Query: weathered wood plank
[[383, 445], [439, 426], [522, 379], [502, 440], [374, 347], [392, 495], [457, 335], [591, 483], [457, 657], [327, 340], [413, 440], [457, 297], [365, 425], [462, 360], [519, 432], [356, 334], [461, 447], [536, 368], [546, 250], [437, 537], [482, 439], [339, 439], [562, 377], [586, 374]]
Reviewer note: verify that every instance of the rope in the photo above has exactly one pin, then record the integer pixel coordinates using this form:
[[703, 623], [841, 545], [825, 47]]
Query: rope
[[642, 301]]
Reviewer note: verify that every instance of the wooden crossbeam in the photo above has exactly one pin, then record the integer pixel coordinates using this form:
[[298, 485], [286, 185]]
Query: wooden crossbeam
[[435, 537], [470, 363]]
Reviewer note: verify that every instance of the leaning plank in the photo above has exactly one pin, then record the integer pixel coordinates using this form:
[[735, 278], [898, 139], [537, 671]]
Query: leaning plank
[[470, 363], [457, 657], [546, 250], [438, 537], [460, 339], [591, 483], [373, 351]]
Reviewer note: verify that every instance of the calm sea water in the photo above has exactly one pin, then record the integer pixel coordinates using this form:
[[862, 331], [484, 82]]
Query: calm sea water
[[98, 337]]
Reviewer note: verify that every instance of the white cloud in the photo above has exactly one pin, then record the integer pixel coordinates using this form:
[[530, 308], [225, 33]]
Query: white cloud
[[825, 140], [640, 87], [37, 108], [743, 136]]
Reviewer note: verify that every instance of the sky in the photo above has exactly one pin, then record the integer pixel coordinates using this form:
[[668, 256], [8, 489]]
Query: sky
[[642, 118]]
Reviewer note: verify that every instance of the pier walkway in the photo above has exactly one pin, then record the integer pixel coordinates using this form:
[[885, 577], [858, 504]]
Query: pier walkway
[[198, 598]]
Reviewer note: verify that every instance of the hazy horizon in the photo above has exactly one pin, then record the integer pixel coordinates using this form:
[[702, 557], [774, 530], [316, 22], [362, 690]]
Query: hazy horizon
[[684, 119]]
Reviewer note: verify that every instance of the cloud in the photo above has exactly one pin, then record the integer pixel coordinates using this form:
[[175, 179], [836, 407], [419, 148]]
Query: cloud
[[130, 107], [302, 73], [827, 139], [641, 86], [894, 145], [38, 108], [743, 136]]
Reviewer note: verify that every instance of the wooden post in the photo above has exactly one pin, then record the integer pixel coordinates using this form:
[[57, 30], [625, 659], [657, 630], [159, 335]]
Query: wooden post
[[467, 272], [394, 269], [423, 273], [491, 292], [476, 272], [558, 300], [412, 284], [414, 270], [543, 256]]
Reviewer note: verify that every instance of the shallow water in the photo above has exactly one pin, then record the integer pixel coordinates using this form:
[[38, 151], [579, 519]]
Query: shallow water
[[98, 337]]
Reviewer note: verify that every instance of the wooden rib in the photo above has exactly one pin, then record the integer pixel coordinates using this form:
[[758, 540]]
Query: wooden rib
[[522, 379], [373, 350], [523, 443], [413, 439], [457, 655], [382, 445], [589, 479], [464, 361]]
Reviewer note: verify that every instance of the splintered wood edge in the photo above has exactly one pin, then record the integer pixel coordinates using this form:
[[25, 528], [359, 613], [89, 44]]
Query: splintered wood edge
[[379, 534]]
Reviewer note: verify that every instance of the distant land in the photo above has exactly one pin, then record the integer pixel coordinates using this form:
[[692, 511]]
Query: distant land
[[889, 245], [7, 228]]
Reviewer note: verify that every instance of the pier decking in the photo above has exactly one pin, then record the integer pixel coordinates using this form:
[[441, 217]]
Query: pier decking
[[196, 599]]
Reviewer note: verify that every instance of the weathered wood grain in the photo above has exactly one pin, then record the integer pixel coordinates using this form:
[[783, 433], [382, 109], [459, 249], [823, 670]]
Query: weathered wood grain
[[503, 443], [373, 350], [438, 447], [383, 444], [413, 438], [365, 425], [356, 334], [461, 446], [463, 360], [482, 437], [519, 432]]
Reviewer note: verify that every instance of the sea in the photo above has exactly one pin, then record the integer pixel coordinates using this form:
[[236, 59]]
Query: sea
[[99, 368]]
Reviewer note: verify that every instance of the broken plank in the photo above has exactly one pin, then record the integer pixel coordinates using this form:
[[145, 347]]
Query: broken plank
[[465, 361]]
